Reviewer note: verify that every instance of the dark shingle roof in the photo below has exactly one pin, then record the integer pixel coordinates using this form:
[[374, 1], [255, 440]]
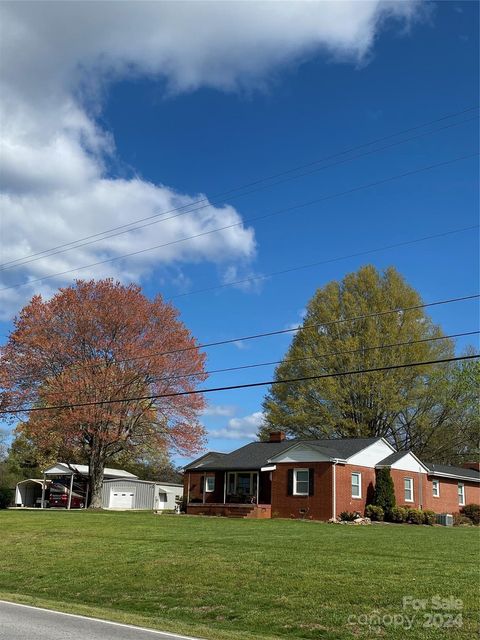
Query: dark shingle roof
[[211, 457], [257, 454], [457, 472], [341, 448], [393, 457]]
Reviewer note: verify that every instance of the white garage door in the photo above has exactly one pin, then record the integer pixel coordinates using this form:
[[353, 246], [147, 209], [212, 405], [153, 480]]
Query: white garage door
[[121, 499]]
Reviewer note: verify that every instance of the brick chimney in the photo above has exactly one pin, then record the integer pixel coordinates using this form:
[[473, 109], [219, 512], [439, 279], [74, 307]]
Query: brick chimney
[[471, 465], [277, 436]]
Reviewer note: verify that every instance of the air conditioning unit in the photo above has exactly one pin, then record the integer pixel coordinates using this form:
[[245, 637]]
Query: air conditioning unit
[[446, 519]]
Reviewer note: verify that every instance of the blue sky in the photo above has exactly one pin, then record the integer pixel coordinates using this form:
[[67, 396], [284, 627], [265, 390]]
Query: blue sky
[[206, 130]]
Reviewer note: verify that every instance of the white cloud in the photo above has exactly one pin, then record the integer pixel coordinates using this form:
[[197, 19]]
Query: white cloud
[[244, 428], [57, 61], [253, 420], [219, 410], [241, 345]]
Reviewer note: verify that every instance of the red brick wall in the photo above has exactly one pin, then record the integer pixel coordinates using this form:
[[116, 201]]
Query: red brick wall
[[345, 502], [259, 512], [318, 506], [448, 500], [398, 477]]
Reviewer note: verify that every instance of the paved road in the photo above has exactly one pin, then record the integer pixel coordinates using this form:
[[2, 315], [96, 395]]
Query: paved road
[[21, 622]]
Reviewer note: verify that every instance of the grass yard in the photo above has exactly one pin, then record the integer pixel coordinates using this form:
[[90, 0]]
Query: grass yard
[[239, 579]]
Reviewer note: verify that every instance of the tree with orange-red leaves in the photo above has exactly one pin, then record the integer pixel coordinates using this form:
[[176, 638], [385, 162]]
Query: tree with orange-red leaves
[[101, 341]]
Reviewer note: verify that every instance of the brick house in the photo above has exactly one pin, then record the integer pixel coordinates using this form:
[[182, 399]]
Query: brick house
[[318, 479]]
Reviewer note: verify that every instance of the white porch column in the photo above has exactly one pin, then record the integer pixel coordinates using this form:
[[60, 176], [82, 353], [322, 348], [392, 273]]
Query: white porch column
[[258, 485], [188, 488], [43, 492], [225, 487], [204, 486], [70, 494], [334, 490]]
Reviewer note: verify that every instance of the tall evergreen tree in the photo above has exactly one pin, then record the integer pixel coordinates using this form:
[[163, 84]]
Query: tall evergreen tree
[[384, 495]]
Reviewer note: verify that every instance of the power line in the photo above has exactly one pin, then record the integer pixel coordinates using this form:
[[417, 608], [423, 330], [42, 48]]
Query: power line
[[320, 355], [310, 265], [241, 386], [315, 325], [126, 228], [192, 374], [247, 220]]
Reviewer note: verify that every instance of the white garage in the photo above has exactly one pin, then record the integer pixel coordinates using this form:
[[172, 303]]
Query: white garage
[[132, 493]]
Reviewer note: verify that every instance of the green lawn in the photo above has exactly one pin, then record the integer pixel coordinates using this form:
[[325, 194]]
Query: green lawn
[[238, 579]]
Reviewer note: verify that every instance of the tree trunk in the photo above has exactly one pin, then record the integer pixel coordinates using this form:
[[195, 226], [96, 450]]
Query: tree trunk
[[96, 467]]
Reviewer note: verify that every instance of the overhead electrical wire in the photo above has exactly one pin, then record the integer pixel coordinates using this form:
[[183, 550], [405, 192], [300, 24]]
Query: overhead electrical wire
[[248, 220], [310, 265], [314, 325], [205, 345], [317, 356], [256, 365], [239, 386], [126, 228]]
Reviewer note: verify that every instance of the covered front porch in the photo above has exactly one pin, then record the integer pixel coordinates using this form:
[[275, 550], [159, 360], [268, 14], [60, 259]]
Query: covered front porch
[[242, 493]]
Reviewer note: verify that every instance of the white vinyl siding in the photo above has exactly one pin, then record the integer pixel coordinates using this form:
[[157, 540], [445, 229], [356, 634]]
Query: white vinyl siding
[[356, 485], [436, 488], [408, 486], [461, 494], [300, 482]]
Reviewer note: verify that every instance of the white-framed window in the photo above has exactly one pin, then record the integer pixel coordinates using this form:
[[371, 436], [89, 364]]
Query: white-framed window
[[436, 488], [301, 482], [408, 486], [356, 485], [461, 494], [210, 484]]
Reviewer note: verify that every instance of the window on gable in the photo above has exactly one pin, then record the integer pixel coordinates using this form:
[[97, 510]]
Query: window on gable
[[210, 484], [408, 484], [301, 482], [436, 488], [356, 485], [461, 493]]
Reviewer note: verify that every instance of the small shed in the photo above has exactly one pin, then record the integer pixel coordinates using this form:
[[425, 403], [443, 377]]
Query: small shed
[[132, 493]]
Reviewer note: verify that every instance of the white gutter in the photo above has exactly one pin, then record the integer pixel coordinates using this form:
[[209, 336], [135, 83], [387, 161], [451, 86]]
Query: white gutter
[[272, 467], [450, 475]]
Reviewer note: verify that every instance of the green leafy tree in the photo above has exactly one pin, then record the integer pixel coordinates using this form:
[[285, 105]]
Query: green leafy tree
[[149, 464], [407, 406], [384, 495]]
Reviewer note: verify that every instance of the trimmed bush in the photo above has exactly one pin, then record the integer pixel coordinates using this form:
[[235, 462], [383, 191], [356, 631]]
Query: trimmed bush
[[6, 496], [398, 514], [429, 517], [472, 511], [415, 516], [460, 520], [349, 516], [374, 513], [384, 495]]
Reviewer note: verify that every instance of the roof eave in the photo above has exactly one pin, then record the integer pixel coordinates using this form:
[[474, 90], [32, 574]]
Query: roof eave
[[455, 476]]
